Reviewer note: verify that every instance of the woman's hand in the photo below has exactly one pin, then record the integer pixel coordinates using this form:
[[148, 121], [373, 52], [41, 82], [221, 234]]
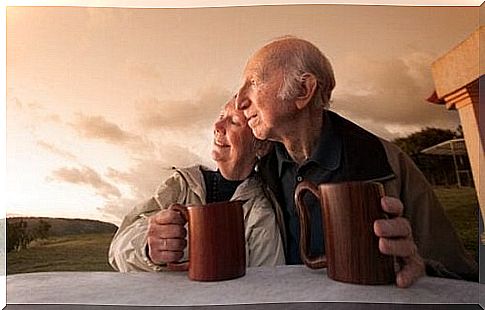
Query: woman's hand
[[166, 236]]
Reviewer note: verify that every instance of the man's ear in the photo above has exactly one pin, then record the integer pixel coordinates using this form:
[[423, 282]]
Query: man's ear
[[308, 87]]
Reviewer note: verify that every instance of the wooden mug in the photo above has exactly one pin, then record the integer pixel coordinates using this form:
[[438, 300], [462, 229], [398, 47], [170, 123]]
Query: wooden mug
[[217, 247], [349, 210]]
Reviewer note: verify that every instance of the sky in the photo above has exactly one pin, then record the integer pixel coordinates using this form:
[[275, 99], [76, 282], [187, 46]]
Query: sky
[[102, 102]]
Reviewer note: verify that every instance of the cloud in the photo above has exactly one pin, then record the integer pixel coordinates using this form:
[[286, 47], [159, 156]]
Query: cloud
[[145, 176], [21, 105], [32, 108], [55, 118], [182, 114], [115, 210], [389, 96], [86, 176], [55, 150], [29, 115], [35, 106], [98, 127]]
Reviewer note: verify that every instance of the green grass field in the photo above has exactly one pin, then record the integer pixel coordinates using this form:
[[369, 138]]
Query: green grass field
[[86, 252], [89, 252], [461, 206]]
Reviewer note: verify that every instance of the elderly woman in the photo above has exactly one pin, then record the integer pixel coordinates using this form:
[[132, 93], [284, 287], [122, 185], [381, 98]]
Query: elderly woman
[[152, 234]]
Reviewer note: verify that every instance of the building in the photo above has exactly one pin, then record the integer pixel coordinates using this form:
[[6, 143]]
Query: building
[[457, 76]]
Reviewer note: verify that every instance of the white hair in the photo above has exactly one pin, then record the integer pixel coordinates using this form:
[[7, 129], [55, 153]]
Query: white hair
[[297, 58]]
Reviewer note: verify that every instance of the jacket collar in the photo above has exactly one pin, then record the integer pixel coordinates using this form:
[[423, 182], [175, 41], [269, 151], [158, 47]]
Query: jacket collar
[[195, 180], [248, 189]]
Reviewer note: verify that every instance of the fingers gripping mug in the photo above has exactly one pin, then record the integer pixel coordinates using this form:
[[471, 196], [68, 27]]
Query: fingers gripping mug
[[348, 210], [217, 248]]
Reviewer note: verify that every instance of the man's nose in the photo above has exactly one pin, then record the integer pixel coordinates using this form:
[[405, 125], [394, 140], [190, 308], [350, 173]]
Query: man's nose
[[242, 101]]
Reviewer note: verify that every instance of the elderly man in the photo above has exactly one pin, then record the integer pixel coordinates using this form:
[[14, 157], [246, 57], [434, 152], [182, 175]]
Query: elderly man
[[285, 94]]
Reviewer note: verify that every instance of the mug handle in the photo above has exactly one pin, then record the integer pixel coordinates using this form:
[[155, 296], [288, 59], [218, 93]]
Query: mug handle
[[184, 266], [305, 231]]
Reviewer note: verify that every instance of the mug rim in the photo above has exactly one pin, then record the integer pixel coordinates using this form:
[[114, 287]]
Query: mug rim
[[217, 204], [362, 182]]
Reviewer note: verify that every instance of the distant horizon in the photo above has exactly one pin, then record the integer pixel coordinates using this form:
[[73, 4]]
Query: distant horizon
[[9, 216]]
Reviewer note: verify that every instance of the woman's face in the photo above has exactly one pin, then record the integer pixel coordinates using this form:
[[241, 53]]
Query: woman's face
[[233, 147]]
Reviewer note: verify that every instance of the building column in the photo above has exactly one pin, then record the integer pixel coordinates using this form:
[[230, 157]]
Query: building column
[[466, 101]]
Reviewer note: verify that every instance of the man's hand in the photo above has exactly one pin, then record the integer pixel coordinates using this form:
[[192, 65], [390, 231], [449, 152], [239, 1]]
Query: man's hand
[[395, 238], [166, 236]]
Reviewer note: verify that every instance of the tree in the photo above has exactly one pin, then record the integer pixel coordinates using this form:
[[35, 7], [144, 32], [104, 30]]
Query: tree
[[17, 235], [418, 141], [459, 132], [42, 230], [437, 169], [12, 236]]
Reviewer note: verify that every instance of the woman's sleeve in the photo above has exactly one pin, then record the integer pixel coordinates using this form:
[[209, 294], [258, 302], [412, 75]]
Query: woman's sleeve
[[127, 251]]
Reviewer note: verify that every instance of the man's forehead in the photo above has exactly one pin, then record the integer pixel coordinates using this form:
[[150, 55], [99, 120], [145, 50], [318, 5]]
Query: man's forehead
[[255, 65], [262, 64]]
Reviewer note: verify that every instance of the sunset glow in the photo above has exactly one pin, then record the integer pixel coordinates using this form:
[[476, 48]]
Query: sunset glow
[[102, 102]]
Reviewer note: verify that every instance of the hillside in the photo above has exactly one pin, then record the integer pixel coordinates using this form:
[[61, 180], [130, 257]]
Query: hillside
[[84, 252], [63, 226], [72, 245]]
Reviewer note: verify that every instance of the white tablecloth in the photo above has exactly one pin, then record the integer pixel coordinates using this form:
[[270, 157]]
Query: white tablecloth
[[260, 285]]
